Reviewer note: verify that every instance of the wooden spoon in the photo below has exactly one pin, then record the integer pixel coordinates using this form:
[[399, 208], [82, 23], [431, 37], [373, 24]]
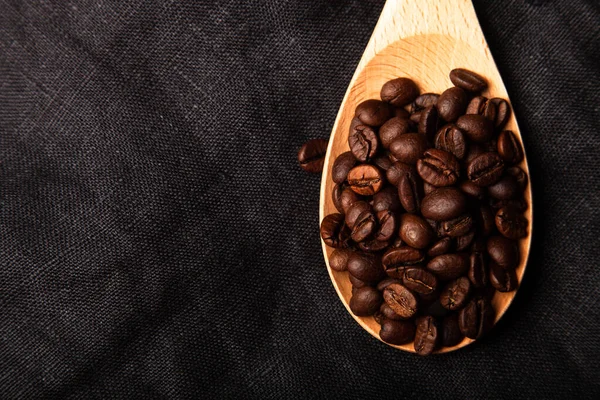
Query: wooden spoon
[[423, 40]]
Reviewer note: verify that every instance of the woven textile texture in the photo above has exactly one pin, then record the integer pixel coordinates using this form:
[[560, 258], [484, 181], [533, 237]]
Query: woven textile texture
[[158, 239]]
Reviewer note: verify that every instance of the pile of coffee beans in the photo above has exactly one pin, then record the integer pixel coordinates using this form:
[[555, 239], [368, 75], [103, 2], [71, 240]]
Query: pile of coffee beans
[[430, 201]]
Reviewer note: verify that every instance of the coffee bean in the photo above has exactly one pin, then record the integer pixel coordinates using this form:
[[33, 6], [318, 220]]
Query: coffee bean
[[467, 80], [505, 189], [336, 195], [444, 204], [477, 318], [440, 247], [397, 170], [449, 266], [373, 245], [427, 336], [503, 251], [399, 91], [387, 311], [364, 226], [455, 294], [410, 191], [354, 210], [451, 334], [356, 283], [509, 147], [486, 169], [419, 280], [347, 198], [452, 103], [438, 167], [392, 130], [388, 224], [504, 280], [519, 175], [415, 231], [482, 106], [382, 162], [365, 301], [502, 112], [400, 112], [478, 274], [365, 266], [429, 122], [396, 259], [401, 300], [474, 151], [365, 179], [373, 112], [476, 127], [312, 155], [511, 223], [485, 217], [457, 227], [452, 140], [342, 165], [386, 282], [363, 143], [415, 117], [386, 199], [518, 204], [425, 100], [428, 188], [334, 231], [338, 260], [397, 332], [464, 242], [472, 190], [409, 147]]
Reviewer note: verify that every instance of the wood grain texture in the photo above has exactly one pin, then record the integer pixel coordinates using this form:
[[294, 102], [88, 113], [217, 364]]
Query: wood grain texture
[[423, 40]]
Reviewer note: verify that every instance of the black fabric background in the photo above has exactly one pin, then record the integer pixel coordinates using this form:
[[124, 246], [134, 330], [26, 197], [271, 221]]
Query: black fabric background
[[158, 239]]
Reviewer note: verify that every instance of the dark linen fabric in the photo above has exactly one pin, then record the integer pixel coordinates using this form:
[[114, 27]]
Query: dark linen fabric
[[158, 239]]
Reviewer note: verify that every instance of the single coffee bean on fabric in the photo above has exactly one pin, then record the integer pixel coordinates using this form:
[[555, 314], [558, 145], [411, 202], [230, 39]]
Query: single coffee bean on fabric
[[399, 91], [452, 103], [365, 301], [342, 165], [365, 179], [363, 143], [373, 112], [467, 80], [427, 336], [401, 300], [312, 155], [397, 332]]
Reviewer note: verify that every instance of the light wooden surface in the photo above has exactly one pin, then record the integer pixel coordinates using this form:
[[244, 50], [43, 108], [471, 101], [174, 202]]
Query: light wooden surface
[[423, 40]]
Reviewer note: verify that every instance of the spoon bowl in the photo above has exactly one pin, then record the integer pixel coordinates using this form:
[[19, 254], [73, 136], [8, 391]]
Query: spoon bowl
[[423, 41]]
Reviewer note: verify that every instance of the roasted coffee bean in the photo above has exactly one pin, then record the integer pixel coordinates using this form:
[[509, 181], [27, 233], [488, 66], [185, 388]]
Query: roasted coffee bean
[[486, 169], [388, 224], [397, 170], [387, 311], [440, 247], [342, 165], [438, 167], [503, 251], [334, 231], [354, 210], [419, 280], [518, 204], [472, 190], [467, 80], [475, 150], [476, 127], [373, 112], [428, 188], [505, 189], [504, 280], [386, 282], [415, 231], [478, 274], [365, 301], [365, 266], [464, 242], [455, 294], [519, 175], [449, 266], [477, 318], [364, 226], [386, 199], [400, 113], [312, 155], [399, 91], [429, 122], [396, 259], [451, 334], [365, 179], [363, 143], [452, 103], [425, 100], [452, 140], [511, 223], [392, 130], [356, 283], [427, 335], [415, 117], [410, 191], [373, 245], [401, 300], [457, 227], [485, 220], [336, 196], [444, 204], [338, 260], [382, 162], [502, 112], [347, 198], [379, 317], [509, 147], [397, 243], [397, 332], [409, 147], [482, 106]]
